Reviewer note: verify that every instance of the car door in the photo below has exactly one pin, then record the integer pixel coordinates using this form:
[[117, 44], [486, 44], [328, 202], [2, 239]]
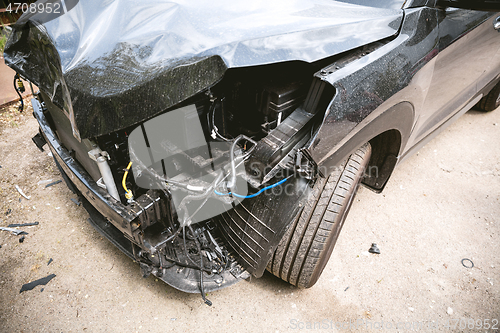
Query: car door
[[469, 58]]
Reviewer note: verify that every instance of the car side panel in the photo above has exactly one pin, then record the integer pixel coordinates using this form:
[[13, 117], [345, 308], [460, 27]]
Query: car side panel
[[467, 61], [398, 72]]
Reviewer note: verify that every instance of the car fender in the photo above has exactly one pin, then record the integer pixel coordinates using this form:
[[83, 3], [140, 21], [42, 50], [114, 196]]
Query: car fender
[[376, 95]]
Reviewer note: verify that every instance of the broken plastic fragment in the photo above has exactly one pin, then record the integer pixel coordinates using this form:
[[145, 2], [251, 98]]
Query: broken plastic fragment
[[14, 231], [374, 249], [39, 282], [78, 203], [21, 192], [15, 225], [50, 260], [43, 182], [21, 239], [53, 183]]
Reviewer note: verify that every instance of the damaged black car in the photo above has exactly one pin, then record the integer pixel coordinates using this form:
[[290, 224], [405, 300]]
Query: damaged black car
[[212, 141]]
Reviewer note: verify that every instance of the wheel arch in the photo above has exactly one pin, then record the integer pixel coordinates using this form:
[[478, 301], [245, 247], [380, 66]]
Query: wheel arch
[[387, 131]]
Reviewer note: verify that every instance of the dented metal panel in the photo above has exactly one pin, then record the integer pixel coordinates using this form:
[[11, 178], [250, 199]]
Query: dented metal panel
[[113, 64]]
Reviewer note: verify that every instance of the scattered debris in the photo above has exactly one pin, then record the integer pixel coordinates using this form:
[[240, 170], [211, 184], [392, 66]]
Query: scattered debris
[[50, 260], [411, 309], [21, 193], [465, 262], [374, 249], [43, 182], [53, 183], [14, 231], [8, 211], [346, 289], [21, 240], [39, 282], [445, 168], [42, 289], [15, 225], [78, 203], [449, 311]]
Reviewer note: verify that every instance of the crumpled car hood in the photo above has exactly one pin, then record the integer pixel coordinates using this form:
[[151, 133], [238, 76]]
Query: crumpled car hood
[[112, 64]]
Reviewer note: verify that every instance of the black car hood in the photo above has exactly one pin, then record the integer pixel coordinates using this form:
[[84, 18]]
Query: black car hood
[[112, 64]]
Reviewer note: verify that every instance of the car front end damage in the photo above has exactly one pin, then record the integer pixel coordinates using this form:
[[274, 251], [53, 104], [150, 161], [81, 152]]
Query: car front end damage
[[190, 144], [200, 187]]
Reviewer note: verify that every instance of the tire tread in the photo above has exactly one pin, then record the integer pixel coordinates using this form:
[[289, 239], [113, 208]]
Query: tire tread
[[302, 253]]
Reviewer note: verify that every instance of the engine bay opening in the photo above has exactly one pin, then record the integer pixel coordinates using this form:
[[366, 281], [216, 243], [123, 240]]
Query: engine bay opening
[[180, 170]]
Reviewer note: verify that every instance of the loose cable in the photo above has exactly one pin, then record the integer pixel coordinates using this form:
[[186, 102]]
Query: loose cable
[[128, 193], [255, 194]]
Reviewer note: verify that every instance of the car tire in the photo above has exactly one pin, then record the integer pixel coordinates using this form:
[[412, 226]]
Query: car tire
[[491, 101], [304, 250]]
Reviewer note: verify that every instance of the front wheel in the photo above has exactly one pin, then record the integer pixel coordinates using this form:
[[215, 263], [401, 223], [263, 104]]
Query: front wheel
[[304, 250], [491, 101]]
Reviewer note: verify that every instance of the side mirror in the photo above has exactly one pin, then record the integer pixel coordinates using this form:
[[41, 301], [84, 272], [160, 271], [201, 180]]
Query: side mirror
[[484, 5]]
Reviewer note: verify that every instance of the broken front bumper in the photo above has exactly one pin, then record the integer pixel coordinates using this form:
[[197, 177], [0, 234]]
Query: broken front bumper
[[120, 223]]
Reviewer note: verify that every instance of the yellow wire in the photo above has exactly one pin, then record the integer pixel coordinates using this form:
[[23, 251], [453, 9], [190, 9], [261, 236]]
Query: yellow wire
[[128, 193]]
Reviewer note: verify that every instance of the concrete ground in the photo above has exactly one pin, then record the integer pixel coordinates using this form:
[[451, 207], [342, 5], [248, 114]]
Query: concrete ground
[[440, 206]]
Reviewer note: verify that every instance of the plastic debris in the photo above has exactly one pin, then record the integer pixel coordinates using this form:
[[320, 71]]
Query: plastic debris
[[43, 182], [78, 203], [374, 249], [21, 240], [21, 193], [14, 231], [50, 260], [15, 225], [53, 183], [449, 311], [8, 211], [467, 263], [39, 282]]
